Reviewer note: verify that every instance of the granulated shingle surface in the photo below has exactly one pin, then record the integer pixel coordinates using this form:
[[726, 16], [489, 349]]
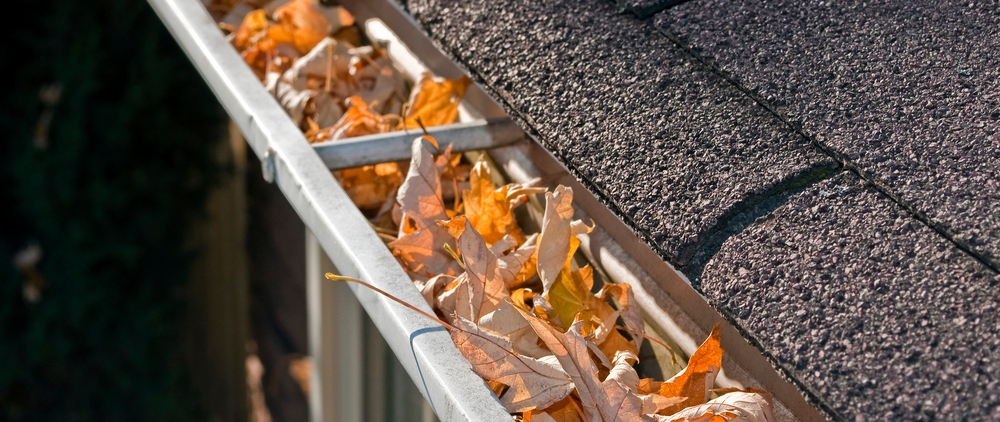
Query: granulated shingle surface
[[675, 148], [876, 313], [907, 91]]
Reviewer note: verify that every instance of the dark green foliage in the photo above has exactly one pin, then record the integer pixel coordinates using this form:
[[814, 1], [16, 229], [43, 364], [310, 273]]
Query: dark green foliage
[[110, 200]]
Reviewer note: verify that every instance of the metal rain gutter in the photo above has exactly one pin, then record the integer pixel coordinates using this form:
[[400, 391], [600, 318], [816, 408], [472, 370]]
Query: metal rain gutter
[[424, 348]]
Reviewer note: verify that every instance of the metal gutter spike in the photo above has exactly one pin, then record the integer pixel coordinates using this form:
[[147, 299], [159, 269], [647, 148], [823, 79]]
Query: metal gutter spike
[[395, 146], [424, 349]]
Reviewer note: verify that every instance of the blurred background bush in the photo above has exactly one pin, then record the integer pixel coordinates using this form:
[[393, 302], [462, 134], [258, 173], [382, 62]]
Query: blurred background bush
[[105, 166]]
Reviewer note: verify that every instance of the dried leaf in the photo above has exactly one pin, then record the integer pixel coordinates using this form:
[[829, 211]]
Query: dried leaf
[[292, 100], [422, 251], [487, 289], [435, 103], [608, 401], [630, 312], [490, 210], [328, 60], [518, 265], [305, 23], [254, 23], [508, 322], [557, 242], [534, 383], [359, 120], [740, 406], [420, 196], [698, 378], [564, 410]]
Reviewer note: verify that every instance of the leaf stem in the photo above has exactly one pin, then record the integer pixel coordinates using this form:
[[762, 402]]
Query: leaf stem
[[335, 277]]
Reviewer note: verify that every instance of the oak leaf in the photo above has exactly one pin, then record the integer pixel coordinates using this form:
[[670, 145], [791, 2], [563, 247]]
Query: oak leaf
[[434, 102], [533, 383], [697, 379]]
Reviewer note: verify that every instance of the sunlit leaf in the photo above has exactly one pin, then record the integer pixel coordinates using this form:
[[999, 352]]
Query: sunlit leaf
[[698, 377], [435, 102]]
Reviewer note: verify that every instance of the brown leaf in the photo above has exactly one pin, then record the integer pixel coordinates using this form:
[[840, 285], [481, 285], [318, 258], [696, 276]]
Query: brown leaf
[[608, 401], [508, 322], [420, 196], [534, 383], [435, 103], [554, 240], [698, 378], [359, 120], [487, 289], [518, 265], [422, 251], [630, 312], [740, 406]]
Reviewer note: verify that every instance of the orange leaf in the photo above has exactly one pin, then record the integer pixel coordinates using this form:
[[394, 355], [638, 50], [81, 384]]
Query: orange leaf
[[359, 120], [698, 377], [253, 24], [435, 103], [304, 23], [490, 210]]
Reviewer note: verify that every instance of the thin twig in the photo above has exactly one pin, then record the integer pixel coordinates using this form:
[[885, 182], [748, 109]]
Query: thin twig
[[335, 277]]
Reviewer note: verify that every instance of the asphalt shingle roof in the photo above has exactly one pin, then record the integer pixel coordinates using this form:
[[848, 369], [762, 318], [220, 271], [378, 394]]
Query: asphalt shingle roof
[[880, 316], [717, 129], [908, 92]]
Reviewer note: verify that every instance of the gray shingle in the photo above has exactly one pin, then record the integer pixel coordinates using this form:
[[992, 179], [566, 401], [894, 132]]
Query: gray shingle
[[876, 313], [908, 91]]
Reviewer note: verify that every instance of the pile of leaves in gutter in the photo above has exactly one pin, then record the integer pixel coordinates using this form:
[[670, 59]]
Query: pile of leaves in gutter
[[336, 85], [517, 305]]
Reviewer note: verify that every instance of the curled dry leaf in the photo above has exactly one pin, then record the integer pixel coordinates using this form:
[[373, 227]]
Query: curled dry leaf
[[421, 247], [359, 120], [630, 312], [739, 406], [696, 382], [435, 102], [533, 383]]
